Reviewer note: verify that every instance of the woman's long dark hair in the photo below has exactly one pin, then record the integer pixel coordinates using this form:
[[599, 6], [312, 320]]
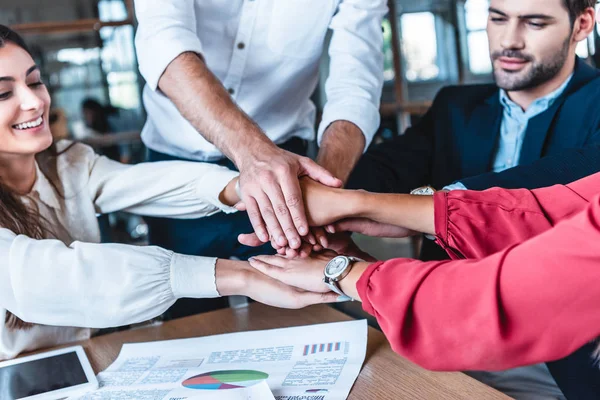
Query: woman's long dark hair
[[14, 214]]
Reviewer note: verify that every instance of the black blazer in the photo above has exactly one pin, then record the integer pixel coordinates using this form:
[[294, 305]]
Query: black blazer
[[458, 137]]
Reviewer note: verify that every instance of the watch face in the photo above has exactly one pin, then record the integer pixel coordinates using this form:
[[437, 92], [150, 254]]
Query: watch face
[[423, 191], [336, 266]]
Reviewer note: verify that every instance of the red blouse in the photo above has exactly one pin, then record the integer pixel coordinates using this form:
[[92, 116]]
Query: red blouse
[[526, 293]]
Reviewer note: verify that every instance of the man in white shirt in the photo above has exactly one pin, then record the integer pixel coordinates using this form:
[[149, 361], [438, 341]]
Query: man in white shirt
[[232, 79]]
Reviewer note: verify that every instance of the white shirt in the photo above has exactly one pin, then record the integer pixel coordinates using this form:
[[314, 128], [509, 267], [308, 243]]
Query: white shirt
[[266, 53], [70, 280]]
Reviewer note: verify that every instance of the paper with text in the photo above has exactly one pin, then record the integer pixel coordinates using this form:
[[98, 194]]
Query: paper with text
[[316, 362]]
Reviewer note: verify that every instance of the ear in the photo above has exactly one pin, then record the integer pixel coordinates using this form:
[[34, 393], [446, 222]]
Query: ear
[[584, 25]]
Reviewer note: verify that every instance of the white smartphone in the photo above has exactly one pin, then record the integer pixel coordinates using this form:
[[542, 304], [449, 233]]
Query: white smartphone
[[47, 376]]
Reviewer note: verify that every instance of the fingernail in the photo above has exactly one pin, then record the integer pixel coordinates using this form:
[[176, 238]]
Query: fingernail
[[342, 299], [295, 243], [251, 259], [303, 230], [281, 241]]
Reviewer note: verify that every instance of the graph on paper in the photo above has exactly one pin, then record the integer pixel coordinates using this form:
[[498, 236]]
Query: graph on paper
[[321, 348]]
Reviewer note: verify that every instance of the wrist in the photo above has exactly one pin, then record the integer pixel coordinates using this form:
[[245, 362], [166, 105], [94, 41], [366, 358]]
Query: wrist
[[230, 194], [232, 277], [356, 204], [348, 283], [256, 147]]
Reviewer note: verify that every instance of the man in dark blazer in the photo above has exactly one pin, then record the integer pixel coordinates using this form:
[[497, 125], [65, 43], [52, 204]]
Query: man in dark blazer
[[538, 126]]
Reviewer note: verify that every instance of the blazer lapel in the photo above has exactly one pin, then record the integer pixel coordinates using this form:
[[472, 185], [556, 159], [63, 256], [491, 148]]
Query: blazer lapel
[[481, 137], [539, 126], [538, 130]]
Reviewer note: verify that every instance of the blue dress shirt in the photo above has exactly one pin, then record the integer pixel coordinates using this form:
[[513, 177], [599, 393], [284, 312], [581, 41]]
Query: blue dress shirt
[[513, 129]]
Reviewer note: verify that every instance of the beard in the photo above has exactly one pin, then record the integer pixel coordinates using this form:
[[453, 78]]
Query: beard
[[538, 73]]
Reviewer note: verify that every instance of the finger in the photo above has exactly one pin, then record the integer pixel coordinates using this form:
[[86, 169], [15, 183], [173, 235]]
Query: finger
[[317, 248], [305, 250], [291, 253], [317, 173], [295, 203], [281, 251], [276, 261], [241, 206], [258, 224], [266, 268], [321, 236], [310, 238], [330, 228], [283, 215], [249, 239], [268, 215]]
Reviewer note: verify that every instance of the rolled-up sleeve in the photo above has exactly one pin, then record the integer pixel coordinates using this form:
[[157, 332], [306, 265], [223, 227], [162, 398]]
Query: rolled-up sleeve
[[532, 302], [95, 285], [165, 30], [356, 71]]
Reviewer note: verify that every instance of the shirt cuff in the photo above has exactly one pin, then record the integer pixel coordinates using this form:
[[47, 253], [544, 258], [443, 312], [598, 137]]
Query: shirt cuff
[[193, 277], [156, 53], [456, 186], [362, 114], [363, 286], [210, 186], [440, 212]]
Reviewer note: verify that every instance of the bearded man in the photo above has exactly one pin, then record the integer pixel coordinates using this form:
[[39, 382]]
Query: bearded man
[[538, 125]]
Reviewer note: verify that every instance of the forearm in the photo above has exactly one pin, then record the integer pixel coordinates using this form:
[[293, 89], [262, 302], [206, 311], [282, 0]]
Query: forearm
[[343, 144], [203, 101], [411, 212]]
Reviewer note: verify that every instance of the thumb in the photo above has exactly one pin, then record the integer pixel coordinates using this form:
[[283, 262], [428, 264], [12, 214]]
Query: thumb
[[317, 173], [250, 239]]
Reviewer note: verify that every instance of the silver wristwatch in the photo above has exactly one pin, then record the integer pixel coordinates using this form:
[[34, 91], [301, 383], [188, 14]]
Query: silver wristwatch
[[336, 270]]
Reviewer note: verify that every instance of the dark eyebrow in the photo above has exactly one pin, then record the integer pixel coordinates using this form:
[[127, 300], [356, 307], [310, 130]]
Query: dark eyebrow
[[31, 69], [528, 16], [537, 16], [11, 79], [496, 11]]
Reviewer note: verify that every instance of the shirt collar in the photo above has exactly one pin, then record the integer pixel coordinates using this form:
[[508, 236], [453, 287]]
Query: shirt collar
[[45, 190], [542, 102]]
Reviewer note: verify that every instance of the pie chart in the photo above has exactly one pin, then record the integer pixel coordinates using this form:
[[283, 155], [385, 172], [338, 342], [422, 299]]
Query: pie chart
[[223, 380]]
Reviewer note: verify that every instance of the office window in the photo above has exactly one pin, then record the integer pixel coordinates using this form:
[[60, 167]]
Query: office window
[[388, 54], [476, 15], [420, 46]]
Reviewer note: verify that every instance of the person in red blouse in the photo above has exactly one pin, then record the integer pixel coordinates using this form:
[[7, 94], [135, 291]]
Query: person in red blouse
[[519, 290]]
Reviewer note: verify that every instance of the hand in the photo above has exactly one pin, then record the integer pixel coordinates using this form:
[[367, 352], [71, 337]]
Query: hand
[[305, 274], [238, 278], [272, 196], [342, 243], [369, 228]]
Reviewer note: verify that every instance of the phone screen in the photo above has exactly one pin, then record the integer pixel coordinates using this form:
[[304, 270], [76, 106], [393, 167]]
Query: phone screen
[[41, 376]]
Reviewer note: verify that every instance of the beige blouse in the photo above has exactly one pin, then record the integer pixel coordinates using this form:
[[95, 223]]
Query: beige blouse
[[69, 283]]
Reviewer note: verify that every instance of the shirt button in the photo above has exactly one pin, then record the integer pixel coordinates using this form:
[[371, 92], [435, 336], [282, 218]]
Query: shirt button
[[241, 45], [231, 91]]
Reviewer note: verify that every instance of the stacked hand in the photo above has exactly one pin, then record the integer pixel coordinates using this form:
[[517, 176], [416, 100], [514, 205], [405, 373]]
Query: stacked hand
[[271, 194], [326, 209], [239, 278]]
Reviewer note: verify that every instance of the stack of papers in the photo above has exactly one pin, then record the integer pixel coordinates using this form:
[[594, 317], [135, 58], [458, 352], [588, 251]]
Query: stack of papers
[[317, 362]]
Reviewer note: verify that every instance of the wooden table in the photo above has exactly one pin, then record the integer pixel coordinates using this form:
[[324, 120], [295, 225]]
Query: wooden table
[[385, 375]]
